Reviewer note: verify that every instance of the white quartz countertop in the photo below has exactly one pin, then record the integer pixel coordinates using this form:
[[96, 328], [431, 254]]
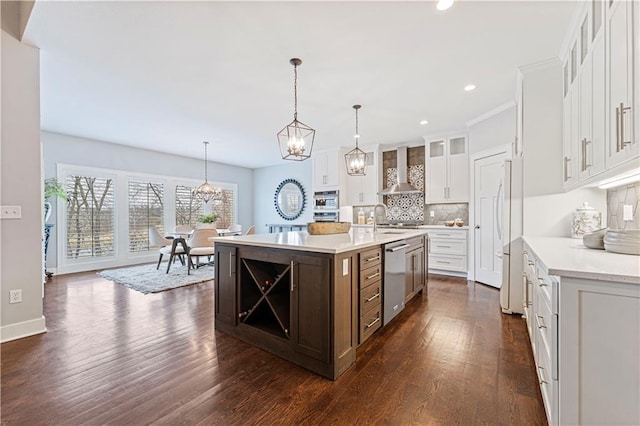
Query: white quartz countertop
[[355, 239], [442, 227], [568, 257]]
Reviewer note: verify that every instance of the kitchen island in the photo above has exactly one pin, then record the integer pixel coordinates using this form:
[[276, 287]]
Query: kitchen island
[[310, 299]]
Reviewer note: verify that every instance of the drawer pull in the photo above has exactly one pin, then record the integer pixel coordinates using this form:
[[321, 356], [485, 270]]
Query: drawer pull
[[372, 297], [542, 380], [443, 261], [377, 274], [541, 283], [373, 323], [530, 263], [540, 323], [444, 246], [371, 259]]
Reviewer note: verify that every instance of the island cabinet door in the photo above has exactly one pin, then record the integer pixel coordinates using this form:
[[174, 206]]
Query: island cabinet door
[[310, 310], [225, 284]]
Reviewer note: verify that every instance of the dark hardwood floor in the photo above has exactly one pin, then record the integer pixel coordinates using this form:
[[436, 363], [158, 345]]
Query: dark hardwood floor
[[116, 356]]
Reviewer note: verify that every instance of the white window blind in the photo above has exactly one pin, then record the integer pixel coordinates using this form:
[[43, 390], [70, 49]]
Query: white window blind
[[225, 208], [90, 217], [188, 207], [146, 209]]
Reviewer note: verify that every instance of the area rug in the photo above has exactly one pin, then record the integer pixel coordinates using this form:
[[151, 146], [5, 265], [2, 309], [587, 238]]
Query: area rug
[[147, 279]]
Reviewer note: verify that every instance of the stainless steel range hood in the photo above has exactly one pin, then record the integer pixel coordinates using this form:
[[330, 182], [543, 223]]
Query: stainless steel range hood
[[402, 187]]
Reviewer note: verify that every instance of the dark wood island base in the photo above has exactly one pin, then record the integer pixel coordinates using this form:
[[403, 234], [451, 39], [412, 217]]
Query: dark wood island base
[[310, 308]]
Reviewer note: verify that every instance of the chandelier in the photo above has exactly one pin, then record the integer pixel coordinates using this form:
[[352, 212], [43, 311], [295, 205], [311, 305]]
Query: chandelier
[[296, 139], [206, 191], [356, 159]]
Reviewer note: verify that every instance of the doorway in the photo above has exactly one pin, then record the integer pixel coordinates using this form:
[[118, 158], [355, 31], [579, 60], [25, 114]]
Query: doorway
[[488, 212]]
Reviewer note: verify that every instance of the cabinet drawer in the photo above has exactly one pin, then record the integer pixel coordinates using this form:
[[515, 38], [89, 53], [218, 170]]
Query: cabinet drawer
[[448, 263], [542, 321], [456, 235], [370, 297], [369, 323], [457, 247], [543, 367], [543, 285], [370, 275], [370, 258]]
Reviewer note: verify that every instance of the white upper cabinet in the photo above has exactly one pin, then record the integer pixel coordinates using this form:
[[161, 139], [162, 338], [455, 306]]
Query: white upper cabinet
[[447, 170], [326, 172], [601, 93], [622, 62], [363, 190]]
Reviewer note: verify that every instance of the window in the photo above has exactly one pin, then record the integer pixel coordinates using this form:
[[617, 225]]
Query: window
[[225, 209], [188, 207], [90, 217], [146, 209], [107, 219]]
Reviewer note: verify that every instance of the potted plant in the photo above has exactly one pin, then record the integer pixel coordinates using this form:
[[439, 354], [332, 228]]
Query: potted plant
[[52, 188], [207, 221]]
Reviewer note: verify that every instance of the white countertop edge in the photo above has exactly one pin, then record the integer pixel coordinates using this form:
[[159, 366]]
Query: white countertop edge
[[558, 257], [332, 244]]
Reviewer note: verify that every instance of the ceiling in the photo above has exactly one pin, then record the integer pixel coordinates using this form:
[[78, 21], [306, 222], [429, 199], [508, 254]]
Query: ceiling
[[166, 76]]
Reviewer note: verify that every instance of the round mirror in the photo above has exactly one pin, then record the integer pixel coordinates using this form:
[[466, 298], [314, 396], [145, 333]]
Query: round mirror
[[289, 199]]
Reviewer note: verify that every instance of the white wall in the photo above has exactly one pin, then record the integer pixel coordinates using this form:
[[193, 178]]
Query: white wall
[[495, 131], [265, 182], [21, 182], [65, 149]]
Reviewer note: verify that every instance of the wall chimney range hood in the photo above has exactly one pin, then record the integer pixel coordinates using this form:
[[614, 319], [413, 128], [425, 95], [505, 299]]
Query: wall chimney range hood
[[402, 187]]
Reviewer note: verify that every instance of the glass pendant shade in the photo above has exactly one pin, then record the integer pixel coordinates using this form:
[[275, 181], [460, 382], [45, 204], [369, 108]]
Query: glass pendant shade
[[356, 159], [206, 192], [295, 140]]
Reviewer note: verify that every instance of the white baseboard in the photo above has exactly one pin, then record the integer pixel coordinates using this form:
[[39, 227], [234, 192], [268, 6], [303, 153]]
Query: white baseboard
[[448, 273], [22, 329]]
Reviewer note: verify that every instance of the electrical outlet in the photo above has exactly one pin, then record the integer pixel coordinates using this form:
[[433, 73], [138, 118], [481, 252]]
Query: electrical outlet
[[432, 213], [627, 212], [15, 296], [345, 267], [10, 212]]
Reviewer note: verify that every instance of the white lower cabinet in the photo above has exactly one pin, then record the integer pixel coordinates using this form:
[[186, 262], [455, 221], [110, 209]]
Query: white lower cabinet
[[448, 252], [585, 337]]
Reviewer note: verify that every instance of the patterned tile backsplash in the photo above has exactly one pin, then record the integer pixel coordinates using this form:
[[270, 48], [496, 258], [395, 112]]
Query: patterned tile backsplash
[[406, 207], [616, 199], [443, 212]]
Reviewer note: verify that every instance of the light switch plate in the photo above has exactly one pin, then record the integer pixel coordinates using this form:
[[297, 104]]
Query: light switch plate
[[345, 267], [627, 212], [10, 212]]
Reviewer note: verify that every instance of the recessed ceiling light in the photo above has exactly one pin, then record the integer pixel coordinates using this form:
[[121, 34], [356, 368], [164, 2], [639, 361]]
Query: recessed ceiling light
[[423, 122], [469, 87], [444, 4]]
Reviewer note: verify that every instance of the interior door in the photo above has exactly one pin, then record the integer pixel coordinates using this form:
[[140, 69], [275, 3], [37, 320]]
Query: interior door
[[489, 203]]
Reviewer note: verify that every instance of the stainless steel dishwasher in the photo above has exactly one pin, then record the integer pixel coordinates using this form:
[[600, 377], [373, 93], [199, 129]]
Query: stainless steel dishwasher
[[394, 273]]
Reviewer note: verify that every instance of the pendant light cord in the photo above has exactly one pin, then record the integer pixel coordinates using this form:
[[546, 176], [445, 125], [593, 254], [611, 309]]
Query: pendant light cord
[[205, 162], [295, 92], [357, 134]]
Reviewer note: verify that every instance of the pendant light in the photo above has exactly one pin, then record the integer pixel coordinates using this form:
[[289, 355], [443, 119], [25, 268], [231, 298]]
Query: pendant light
[[296, 139], [206, 191], [356, 159]]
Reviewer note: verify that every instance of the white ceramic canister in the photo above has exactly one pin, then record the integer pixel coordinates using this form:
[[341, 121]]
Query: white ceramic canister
[[586, 219]]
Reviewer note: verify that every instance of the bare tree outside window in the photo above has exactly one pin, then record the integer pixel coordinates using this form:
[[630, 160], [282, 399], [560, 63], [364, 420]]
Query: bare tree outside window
[[90, 217], [146, 209], [188, 206]]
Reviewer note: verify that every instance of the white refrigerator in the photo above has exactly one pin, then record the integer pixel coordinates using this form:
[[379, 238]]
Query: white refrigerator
[[510, 229]]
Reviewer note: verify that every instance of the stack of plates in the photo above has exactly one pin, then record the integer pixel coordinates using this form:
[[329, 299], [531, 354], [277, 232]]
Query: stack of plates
[[625, 241]]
